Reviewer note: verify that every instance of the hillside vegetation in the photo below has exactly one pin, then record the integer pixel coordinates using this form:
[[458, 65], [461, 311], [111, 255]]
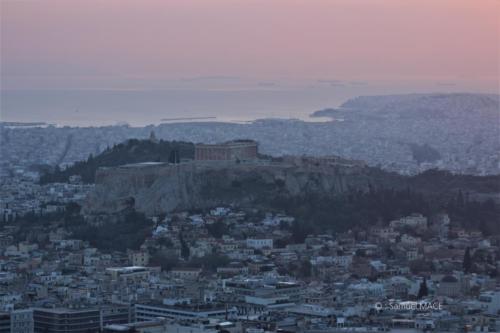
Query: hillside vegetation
[[131, 151]]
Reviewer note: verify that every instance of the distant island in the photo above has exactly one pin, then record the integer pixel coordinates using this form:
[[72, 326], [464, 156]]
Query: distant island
[[187, 118], [328, 112]]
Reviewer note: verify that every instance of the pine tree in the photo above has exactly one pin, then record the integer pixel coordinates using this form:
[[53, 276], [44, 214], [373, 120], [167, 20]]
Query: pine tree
[[423, 290], [185, 251], [460, 199], [174, 157], [467, 263]]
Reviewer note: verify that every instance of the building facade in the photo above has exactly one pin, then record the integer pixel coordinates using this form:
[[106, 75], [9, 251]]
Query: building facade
[[228, 151], [150, 311], [21, 321], [4, 322], [66, 320]]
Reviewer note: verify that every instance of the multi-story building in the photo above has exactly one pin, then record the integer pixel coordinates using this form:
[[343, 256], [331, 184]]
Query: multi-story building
[[413, 221], [261, 288], [21, 321], [116, 314], [128, 274], [490, 301], [4, 322], [139, 258], [153, 310], [259, 243], [85, 320], [186, 273], [64, 320]]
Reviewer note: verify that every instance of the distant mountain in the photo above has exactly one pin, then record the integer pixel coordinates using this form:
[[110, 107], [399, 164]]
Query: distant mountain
[[131, 151]]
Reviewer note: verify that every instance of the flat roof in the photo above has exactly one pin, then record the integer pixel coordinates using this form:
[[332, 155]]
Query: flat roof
[[127, 269], [65, 310], [227, 143], [207, 307]]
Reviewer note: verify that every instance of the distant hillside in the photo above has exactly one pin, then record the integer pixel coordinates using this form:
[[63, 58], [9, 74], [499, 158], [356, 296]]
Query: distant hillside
[[131, 151], [436, 104], [457, 132], [419, 106], [439, 182], [424, 153]]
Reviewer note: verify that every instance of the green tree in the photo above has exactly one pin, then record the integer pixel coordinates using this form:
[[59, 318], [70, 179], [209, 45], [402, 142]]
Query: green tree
[[300, 230], [166, 262], [217, 229], [185, 252], [305, 269], [131, 151], [210, 262]]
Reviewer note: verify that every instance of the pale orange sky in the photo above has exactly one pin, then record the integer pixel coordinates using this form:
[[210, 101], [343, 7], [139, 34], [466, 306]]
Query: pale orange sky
[[87, 43]]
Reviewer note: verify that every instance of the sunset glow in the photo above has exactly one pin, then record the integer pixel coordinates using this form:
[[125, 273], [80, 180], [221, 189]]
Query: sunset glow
[[82, 43]]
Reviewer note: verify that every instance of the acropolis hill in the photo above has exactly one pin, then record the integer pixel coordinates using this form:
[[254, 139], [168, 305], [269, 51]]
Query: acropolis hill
[[154, 188]]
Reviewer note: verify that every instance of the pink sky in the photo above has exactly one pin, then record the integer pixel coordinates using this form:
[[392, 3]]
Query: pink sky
[[77, 43]]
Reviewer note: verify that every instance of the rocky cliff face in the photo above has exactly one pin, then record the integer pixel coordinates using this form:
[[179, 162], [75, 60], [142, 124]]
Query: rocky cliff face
[[154, 189]]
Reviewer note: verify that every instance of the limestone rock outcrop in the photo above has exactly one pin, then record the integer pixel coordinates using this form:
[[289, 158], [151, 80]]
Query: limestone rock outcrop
[[157, 188]]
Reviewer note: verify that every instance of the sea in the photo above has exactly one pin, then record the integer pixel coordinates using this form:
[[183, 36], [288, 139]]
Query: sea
[[140, 107]]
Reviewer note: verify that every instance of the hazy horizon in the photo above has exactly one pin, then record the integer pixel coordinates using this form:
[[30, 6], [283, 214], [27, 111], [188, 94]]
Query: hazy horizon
[[102, 62], [146, 107]]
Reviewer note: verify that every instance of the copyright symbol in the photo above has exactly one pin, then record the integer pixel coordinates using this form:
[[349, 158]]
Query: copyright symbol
[[378, 306]]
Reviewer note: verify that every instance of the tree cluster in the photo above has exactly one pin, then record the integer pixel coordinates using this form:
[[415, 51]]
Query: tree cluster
[[131, 151]]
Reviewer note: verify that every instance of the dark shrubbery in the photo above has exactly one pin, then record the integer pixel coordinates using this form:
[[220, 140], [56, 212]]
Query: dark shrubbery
[[363, 209], [131, 151], [128, 233]]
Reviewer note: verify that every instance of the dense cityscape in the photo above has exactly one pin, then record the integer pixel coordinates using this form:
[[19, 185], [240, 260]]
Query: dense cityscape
[[232, 268], [250, 166], [386, 132]]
